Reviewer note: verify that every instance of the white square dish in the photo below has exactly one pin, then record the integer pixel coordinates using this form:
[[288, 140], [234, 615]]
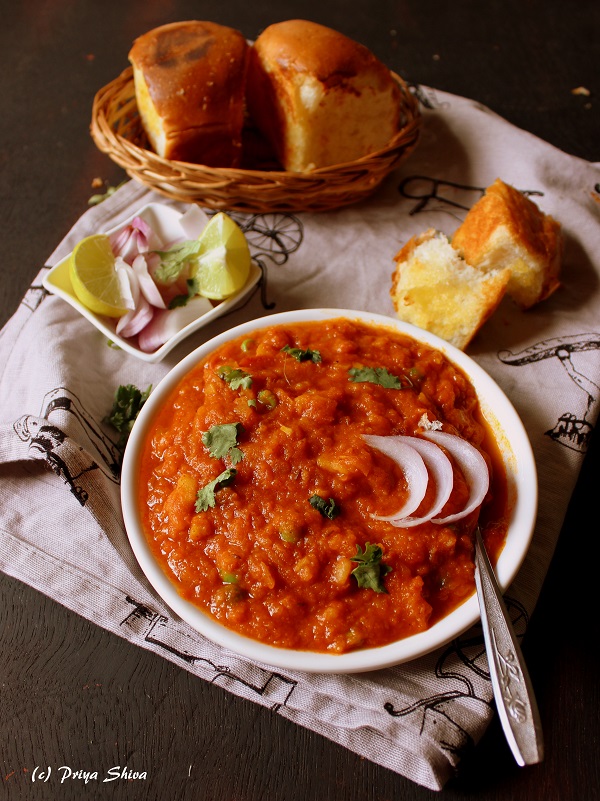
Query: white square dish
[[166, 223]]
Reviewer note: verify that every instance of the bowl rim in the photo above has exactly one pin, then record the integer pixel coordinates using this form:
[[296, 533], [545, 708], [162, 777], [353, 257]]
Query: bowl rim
[[516, 452]]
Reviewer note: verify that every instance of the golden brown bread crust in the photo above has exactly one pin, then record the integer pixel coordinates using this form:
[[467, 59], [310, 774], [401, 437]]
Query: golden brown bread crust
[[320, 97], [189, 79], [506, 229], [302, 46]]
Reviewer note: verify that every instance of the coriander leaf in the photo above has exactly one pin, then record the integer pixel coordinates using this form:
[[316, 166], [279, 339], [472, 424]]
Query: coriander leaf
[[182, 300], [205, 498], [235, 377], [173, 261], [371, 570], [126, 406], [303, 355], [380, 376], [235, 455], [221, 441], [326, 506], [178, 301]]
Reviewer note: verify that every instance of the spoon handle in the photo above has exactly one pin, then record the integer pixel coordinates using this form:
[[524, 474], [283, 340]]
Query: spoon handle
[[515, 699]]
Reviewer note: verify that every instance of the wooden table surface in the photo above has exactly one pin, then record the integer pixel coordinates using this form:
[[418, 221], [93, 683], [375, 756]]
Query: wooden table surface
[[72, 694]]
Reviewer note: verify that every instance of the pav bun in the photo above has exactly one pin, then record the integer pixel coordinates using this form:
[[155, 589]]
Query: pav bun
[[189, 80], [319, 97]]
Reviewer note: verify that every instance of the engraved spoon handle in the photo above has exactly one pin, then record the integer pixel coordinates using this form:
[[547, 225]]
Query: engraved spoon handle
[[515, 699]]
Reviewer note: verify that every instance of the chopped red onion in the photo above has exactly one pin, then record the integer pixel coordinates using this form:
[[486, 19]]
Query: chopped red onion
[[147, 286]]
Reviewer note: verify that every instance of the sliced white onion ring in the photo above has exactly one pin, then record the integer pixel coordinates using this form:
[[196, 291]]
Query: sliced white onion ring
[[411, 463], [473, 466], [440, 467]]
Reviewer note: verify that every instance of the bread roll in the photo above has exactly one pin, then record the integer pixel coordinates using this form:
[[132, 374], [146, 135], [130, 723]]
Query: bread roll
[[320, 97], [505, 229], [434, 288], [189, 80]]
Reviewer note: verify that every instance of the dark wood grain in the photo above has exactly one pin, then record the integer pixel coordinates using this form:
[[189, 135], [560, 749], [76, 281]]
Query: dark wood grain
[[72, 694]]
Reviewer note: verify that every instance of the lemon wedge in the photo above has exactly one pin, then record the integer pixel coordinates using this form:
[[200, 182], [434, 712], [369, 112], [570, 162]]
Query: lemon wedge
[[94, 278], [222, 265]]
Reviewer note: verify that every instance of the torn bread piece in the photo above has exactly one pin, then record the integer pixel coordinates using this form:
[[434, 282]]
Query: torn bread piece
[[434, 288], [505, 229]]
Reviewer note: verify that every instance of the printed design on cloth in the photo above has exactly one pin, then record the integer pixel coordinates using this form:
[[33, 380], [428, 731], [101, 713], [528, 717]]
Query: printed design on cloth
[[272, 234], [428, 97], [47, 440], [34, 296], [573, 429], [461, 667], [157, 629], [436, 194]]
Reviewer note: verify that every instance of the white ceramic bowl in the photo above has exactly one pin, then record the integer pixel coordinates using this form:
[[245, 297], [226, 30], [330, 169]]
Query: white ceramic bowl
[[165, 221], [522, 484]]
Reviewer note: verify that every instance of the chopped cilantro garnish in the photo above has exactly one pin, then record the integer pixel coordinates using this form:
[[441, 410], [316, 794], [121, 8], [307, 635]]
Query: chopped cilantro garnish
[[235, 377], [378, 375], [126, 406], [181, 300], [173, 261], [267, 398], [303, 355], [222, 440], [370, 570], [326, 506], [205, 498]]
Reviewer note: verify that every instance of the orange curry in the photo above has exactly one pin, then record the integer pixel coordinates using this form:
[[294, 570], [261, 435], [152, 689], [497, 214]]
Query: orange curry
[[258, 490]]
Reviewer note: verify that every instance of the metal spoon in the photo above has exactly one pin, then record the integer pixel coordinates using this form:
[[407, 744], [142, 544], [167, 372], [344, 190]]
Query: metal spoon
[[515, 699]]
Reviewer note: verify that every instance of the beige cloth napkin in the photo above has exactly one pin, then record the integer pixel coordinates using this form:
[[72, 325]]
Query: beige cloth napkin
[[61, 529]]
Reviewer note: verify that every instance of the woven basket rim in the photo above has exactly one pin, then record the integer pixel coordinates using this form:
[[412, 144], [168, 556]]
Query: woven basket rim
[[117, 99]]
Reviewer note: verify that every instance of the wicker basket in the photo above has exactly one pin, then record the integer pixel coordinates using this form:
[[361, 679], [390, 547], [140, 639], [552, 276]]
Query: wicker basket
[[116, 129]]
